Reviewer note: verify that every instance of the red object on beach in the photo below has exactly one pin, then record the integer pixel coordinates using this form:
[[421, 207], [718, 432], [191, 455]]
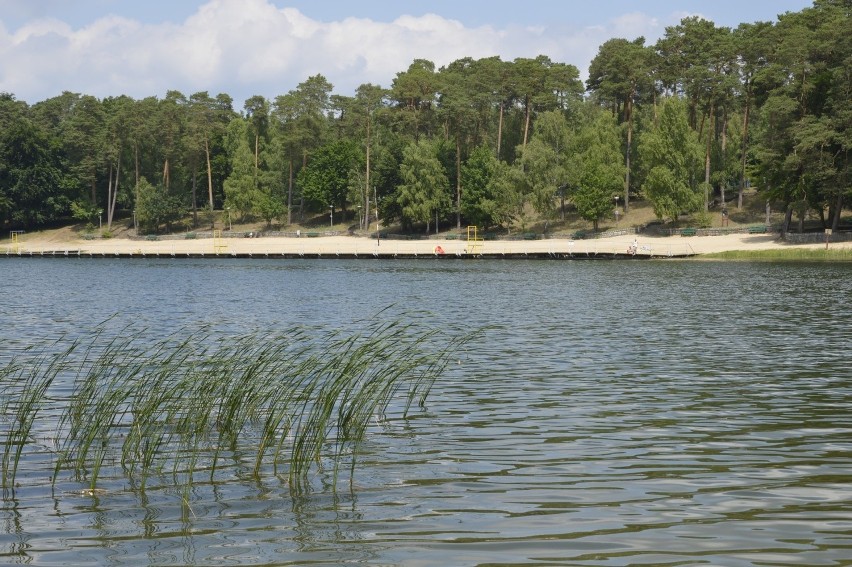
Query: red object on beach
[[439, 250]]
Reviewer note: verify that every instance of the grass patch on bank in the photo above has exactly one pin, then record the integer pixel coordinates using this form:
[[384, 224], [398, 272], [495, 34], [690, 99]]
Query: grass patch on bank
[[786, 254]]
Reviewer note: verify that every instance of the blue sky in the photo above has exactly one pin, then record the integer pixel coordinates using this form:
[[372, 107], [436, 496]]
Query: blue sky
[[267, 47]]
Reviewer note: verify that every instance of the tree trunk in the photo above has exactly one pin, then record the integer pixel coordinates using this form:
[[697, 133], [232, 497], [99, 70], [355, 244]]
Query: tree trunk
[[628, 109], [166, 174], [499, 130], [209, 175], [367, 182], [745, 151], [112, 191], [526, 122], [301, 193], [290, 194], [367, 210], [788, 217], [194, 198], [115, 188], [835, 218], [136, 187], [376, 200], [136, 164], [458, 185], [724, 183], [256, 155], [109, 196], [707, 166]]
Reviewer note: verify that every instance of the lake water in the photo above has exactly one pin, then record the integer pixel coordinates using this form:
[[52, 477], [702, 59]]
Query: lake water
[[614, 413]]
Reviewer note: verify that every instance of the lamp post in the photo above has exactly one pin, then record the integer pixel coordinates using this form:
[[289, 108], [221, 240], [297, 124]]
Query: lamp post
[[230, 228], [616, 210], [135, 224], [100, 219], [331, 216]]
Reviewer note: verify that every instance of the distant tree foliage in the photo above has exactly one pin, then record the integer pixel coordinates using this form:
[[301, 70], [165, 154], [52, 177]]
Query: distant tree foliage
[[673, 153], [424, 194], [596, 163], [687, 123]]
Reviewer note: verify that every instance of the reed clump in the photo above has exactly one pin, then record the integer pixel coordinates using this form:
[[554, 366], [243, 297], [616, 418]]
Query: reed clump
[[194, 403], [785, 254]]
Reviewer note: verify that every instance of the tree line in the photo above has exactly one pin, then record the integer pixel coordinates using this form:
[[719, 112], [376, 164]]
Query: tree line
[[686, 123]]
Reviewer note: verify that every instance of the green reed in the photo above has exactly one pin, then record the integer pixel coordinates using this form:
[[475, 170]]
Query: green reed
[[785, 254], [24, 387], [280, 403]]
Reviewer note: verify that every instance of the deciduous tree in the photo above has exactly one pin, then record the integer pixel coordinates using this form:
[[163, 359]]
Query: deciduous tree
[[672, 155]]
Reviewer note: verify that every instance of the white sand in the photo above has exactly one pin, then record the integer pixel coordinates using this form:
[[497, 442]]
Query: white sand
[[38, 243]]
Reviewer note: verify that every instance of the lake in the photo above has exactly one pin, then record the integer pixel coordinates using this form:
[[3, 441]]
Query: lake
[[613, 413]]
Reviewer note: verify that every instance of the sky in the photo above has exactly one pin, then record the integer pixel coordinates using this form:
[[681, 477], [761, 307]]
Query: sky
[[243, 48]]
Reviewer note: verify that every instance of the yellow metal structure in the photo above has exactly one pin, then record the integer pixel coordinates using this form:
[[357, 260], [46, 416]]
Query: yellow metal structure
[[16, 240], [219, 245], [474, 241]]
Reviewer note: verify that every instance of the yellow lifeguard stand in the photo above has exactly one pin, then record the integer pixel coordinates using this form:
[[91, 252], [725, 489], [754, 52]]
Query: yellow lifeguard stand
[[16, 240], [474, 241], [219, 245]]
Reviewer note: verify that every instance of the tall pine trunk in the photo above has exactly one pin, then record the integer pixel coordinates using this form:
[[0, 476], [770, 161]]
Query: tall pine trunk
[[458, 185], [526, 122], [290, 194], [112, 191], [723, 183], [500, 130], [628, 109], [194, 197], [707, 162], [367, 174], [256, 156], [209, 174], [745, 152], [166, 174]]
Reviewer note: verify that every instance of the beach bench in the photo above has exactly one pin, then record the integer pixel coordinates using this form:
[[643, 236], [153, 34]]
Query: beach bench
[[688, 232], [759, 229]]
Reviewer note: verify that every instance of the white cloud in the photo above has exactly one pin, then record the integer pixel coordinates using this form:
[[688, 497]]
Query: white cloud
[[247, 47]]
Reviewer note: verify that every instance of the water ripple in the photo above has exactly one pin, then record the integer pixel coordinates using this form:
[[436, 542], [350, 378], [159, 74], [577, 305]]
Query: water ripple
[[615, 414]]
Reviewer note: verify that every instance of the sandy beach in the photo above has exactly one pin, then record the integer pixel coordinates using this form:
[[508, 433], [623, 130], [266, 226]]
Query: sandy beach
[[657, 246]]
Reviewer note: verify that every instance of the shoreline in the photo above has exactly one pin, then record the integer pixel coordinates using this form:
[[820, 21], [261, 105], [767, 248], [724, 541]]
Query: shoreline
[[41, 244]]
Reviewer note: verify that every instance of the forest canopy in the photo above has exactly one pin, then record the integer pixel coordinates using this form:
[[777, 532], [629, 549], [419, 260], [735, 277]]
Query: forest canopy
[[686, 123]]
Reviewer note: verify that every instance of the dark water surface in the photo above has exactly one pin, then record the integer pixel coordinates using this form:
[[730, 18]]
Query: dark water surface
[[615, 413]]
